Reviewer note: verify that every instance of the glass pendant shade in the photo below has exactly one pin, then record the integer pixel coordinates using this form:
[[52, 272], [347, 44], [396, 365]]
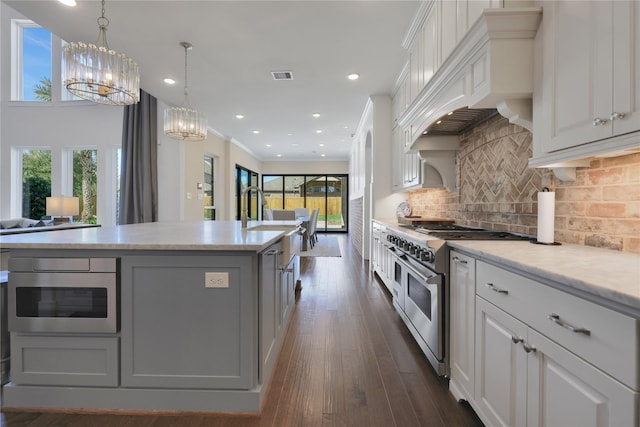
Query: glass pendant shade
[[99, 74], [185, 123]]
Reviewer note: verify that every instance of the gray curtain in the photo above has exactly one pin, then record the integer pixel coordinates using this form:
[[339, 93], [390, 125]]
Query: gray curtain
[[139, 167]]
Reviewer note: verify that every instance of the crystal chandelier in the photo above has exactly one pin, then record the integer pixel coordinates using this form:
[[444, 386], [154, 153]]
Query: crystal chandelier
[[184, 122], [99, 74]]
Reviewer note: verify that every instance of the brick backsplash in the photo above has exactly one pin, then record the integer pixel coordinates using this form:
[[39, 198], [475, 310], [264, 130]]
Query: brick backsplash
[[356, 209], [498, 190]]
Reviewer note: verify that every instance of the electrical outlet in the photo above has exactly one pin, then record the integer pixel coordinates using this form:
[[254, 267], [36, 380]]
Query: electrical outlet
[[216, 279]]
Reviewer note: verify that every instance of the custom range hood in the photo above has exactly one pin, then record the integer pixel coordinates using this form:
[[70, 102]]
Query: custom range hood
[[489, 72]]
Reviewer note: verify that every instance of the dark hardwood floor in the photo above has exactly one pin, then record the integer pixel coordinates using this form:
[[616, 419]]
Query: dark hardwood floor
[[347, 360]]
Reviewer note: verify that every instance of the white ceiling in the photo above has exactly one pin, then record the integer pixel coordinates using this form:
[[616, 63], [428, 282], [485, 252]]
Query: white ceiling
[[236, 44]]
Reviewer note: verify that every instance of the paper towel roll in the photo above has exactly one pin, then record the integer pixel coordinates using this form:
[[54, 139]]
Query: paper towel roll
[[546, 216]]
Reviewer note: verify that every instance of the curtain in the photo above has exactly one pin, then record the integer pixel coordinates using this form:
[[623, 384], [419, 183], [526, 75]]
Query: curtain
[[139, 167]]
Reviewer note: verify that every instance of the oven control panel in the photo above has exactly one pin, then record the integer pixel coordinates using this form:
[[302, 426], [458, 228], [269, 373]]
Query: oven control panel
[[416, 250]]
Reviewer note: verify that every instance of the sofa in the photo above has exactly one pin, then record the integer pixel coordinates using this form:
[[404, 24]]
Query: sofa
[[22, 225]]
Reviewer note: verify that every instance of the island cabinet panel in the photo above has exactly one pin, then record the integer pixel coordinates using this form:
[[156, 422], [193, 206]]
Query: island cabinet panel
[[179, 333], [269, 310], [63, 360]]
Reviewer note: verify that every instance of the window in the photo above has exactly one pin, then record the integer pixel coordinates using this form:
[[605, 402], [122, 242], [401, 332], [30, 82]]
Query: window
[[85, 182], [328, 193], [208, 188], [245, 178], [32, 62], [36, 182]]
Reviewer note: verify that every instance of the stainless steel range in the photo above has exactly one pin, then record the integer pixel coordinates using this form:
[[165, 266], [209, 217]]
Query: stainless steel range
[[420, 285]]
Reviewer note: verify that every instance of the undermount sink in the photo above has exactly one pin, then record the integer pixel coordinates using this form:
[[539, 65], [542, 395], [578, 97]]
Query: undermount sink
[[291, 242], [272, 227]]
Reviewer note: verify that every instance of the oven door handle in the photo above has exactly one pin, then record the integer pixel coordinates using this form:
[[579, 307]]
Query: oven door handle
[[416, 272]]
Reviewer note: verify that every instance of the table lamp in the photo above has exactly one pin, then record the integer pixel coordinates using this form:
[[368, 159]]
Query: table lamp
[[62, 208]]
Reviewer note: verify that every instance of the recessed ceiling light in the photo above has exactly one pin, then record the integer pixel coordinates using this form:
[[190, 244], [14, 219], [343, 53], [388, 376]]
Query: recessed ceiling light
[[316, 115], [322, 155], [289, 134], [239, 116], [295, 144], [438, 122], [255, 131], [278, 155], [318, 130], [449, 113], [68, 2], [169, 81], [346, 127], [321, 145], [268, 145], [353, 76]]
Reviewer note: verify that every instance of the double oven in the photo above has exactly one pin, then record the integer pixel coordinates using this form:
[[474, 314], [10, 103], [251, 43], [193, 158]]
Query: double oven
[[420, 282]]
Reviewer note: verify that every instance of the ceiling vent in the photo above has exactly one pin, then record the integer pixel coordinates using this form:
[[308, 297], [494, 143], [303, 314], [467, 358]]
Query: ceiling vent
[[282, 75]]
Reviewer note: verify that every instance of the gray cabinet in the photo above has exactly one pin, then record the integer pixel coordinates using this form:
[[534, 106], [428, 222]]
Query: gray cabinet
[[269, 309], [64, 360], [179, 333], [277, 295]]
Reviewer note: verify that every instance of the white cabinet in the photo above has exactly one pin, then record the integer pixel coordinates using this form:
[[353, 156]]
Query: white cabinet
[[525, 379], [380, 256], [462, 308], [501, 369], [406, 165], [564, 390], [588, 79], [535, 369]]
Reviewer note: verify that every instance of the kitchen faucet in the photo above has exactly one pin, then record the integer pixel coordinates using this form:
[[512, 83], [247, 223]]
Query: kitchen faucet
[[243, 216]]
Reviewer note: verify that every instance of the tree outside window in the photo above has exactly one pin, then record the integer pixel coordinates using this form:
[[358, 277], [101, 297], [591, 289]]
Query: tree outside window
[[85, 182], [36, 182]]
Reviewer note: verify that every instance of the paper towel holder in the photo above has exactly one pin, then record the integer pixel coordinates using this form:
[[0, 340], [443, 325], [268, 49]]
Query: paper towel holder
[[537, 242]]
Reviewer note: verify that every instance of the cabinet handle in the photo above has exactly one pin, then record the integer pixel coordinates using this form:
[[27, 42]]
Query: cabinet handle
[[461, 261], [617, 116], [517, 340], [556, 319], [498, 290], [271, 252], [528, 348], [598, 121]]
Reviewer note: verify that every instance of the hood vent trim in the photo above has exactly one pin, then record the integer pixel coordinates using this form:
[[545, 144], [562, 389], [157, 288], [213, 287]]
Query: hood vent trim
[[460, 121], [490, 71]]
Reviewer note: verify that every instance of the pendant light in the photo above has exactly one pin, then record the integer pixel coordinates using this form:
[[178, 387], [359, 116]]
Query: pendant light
[[99, 74], [184, 122]]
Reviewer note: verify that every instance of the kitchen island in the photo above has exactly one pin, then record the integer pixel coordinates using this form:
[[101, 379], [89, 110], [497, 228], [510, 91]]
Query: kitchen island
[[201, 309]]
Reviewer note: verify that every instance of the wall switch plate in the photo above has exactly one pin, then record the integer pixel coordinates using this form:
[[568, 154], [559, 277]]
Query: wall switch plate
[[216, 279]]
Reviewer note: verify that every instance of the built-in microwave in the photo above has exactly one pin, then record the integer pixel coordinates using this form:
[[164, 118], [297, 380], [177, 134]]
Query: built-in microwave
[[63, 295]]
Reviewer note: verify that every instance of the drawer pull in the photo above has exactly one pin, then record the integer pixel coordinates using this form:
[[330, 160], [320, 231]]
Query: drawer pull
[[517, 340], [461, 261], [556, 319], [498, 290], [528, 348]]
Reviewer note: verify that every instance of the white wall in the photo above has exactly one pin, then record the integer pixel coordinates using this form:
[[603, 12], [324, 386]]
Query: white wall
[[305, 168]]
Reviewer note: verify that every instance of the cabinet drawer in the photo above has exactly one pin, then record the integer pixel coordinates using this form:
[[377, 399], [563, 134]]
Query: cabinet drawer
[[610, 340], [64, 360]]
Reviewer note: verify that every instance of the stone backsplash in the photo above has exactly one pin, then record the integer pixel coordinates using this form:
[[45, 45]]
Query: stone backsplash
[[498, 190]]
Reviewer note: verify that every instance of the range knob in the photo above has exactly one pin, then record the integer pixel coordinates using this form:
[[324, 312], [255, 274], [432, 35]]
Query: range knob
[[406, 245], [412, 249], [427, 256]]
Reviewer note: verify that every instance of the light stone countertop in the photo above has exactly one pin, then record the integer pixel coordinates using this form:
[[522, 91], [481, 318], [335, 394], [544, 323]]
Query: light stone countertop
[[184, 235], [604, 276]]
